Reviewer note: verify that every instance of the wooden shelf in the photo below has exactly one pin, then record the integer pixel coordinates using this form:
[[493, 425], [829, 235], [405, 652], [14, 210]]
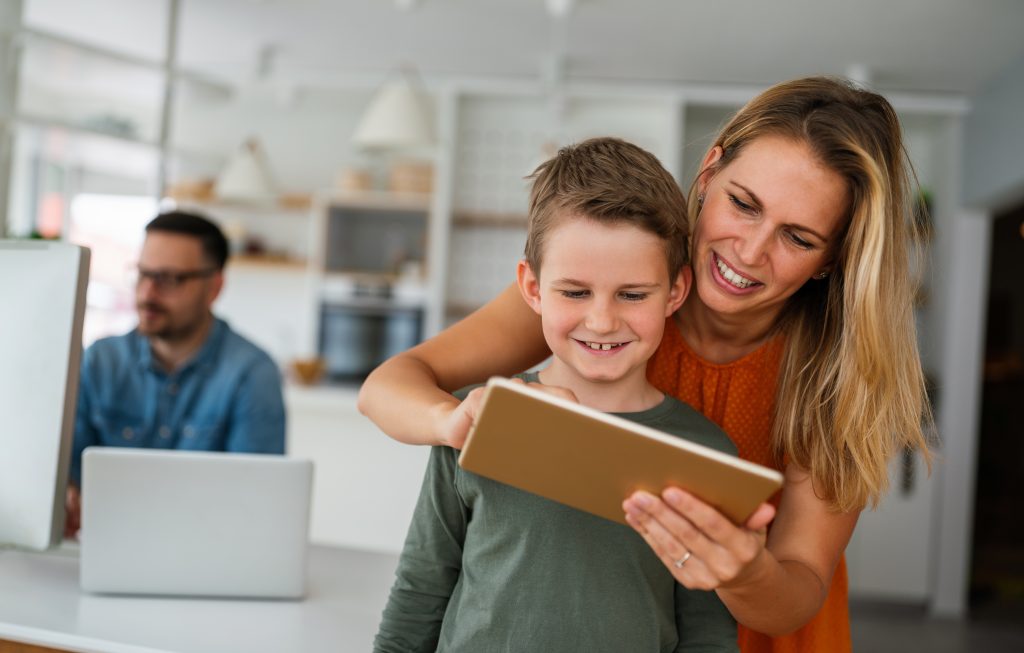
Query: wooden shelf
[[377, 200], [271, 207], [269, 261], [485, 219]]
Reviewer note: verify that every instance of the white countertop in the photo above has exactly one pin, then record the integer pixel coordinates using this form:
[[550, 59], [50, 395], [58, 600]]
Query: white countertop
[[41, 604]]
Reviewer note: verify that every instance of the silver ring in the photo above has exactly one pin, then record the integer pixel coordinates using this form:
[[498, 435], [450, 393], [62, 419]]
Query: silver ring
[[678, 564]]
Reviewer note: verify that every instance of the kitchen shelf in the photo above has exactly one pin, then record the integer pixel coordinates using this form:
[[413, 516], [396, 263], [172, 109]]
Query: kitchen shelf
[[376, 200], [275, 262]]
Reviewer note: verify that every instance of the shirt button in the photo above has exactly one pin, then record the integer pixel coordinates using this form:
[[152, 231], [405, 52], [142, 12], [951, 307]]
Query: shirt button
[[172, 389], [128, 433], [188, 431], [165, 431]]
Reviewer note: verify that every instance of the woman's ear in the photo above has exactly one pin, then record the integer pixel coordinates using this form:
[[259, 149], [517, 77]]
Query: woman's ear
[[529, 285], [707, 168], [679, 290]]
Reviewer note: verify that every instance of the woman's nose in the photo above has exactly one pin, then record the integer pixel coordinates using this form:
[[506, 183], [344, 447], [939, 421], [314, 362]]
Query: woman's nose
[[752, 246]]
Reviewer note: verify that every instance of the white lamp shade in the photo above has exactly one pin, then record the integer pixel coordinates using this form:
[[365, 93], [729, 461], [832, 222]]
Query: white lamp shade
[[399, 116], [247, 177]]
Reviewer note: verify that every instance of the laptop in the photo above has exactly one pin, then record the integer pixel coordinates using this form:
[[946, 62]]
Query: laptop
[[177, 523]]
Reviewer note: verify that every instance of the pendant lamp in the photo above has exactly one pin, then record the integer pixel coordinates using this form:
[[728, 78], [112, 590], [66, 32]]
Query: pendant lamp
[[399, 116], [247, 176]]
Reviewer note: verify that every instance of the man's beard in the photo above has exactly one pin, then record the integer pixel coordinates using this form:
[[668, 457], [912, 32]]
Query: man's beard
[[165, 328]]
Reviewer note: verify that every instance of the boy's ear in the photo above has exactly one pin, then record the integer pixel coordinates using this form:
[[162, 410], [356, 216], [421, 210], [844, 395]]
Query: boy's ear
[[679, 290], [529, 285]]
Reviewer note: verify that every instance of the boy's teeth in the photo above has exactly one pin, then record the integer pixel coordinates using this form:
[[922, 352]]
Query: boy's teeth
[[732, 277], [603, 346]]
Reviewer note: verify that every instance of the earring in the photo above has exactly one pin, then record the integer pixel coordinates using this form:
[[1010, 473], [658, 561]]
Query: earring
[[821, 275], [700, 200]]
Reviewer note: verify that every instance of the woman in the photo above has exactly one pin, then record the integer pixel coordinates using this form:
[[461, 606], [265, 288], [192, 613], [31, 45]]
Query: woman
[[798, 339]]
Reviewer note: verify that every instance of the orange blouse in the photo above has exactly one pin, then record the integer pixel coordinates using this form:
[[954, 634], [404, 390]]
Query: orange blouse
[[740, 397]]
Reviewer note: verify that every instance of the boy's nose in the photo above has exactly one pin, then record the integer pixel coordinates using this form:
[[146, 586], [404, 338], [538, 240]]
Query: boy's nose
[[602, 319]]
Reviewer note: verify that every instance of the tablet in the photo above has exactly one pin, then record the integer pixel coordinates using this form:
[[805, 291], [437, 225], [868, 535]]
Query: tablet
[[592, 461]]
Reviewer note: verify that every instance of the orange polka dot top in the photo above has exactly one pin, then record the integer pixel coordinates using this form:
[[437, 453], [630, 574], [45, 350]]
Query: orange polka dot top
[[740, 397]]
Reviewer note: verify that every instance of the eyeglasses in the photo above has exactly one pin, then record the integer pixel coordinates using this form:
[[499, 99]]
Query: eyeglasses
[[164, 280]]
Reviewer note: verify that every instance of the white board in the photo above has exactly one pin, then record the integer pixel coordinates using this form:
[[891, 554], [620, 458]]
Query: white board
[[42, 305]]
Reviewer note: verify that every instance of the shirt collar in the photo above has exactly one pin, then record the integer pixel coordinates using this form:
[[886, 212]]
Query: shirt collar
[[202, 359]]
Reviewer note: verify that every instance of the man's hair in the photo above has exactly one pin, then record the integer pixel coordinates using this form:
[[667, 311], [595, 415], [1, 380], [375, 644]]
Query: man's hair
[[610, 181], [211, 238]]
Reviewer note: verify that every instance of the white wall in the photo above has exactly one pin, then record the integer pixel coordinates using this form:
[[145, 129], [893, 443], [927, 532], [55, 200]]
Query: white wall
[[306, 134], [10, 14], [994, 142], [992, 174]]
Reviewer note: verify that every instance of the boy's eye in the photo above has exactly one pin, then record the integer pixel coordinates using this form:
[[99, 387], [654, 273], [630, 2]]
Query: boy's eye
[[634, 296], [740, 204], [574, 294]]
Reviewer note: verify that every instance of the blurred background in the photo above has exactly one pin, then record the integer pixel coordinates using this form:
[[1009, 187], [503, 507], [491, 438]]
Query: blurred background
[[366, 159]]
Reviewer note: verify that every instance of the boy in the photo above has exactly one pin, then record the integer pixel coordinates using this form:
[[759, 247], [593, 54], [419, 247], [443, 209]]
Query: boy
[[488, 567]]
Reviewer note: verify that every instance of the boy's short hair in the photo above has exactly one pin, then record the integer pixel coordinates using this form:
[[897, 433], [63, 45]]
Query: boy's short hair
[[611, 181], [209, 235]]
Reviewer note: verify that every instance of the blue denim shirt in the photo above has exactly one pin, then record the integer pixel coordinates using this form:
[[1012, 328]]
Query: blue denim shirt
[[227, 398]]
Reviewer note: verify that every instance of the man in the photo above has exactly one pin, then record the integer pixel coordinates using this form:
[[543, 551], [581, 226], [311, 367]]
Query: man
[[182, 379]]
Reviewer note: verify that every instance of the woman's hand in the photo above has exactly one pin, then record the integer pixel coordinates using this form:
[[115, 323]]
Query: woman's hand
[[408, 395], [554, 391], [773, 586], [701, 547], [457, 424]]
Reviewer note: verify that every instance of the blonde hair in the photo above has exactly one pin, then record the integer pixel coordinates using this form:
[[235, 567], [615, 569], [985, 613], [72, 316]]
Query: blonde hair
[[612, 181], [851, 393]]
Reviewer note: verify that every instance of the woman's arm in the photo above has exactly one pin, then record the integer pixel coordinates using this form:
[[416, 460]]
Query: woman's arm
[[407, 396], [773, 587]]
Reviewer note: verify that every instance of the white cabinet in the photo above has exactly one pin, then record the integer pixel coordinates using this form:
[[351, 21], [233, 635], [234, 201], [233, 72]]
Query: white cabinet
[[272, 304], [889, 555], [365, 485]]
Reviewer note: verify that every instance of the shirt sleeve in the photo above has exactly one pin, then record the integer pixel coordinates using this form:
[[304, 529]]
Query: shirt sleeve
[[431, 562], [703, 623], [257, 414], [85, 434]]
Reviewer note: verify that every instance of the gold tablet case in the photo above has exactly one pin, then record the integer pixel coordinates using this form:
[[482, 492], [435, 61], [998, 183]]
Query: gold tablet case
[[592, 460]]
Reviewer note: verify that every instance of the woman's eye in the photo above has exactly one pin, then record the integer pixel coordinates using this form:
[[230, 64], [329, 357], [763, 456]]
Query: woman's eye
[[740, 204], [574, 294], [800, 242]]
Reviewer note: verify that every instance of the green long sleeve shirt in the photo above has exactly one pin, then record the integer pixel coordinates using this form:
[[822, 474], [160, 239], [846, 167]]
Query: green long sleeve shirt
[[488, 567]]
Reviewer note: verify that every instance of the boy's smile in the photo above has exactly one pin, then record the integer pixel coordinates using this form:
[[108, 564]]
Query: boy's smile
[[603, 296]]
